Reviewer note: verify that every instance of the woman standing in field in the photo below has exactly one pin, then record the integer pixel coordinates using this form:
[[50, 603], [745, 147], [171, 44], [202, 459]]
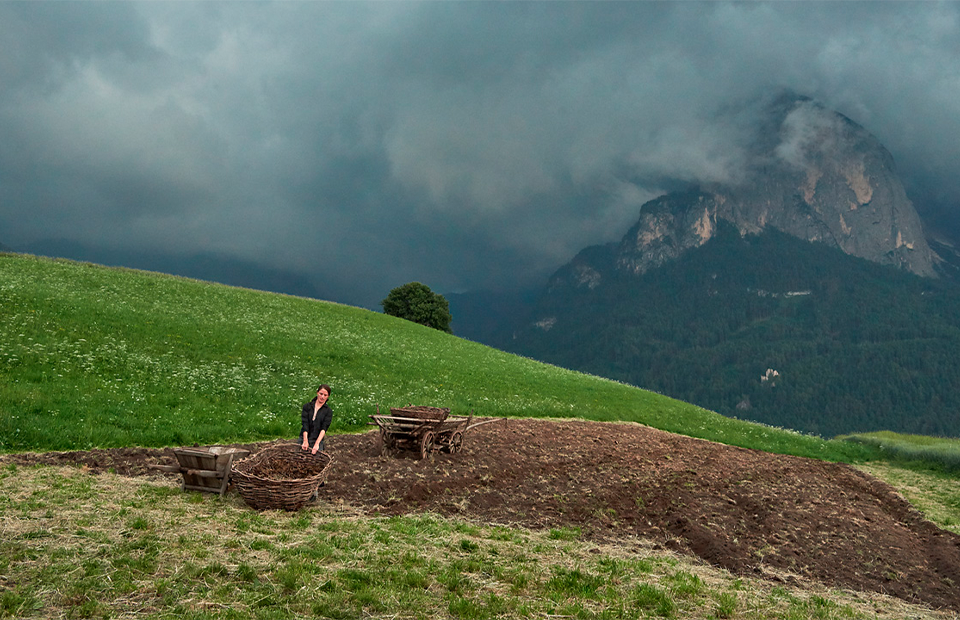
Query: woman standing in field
[[315, 420]]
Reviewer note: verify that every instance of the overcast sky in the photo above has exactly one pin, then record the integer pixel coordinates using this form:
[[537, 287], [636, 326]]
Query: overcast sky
[[463, 145]]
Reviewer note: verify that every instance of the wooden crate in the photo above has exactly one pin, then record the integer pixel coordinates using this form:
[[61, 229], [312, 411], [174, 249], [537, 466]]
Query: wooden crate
[[205, 468]]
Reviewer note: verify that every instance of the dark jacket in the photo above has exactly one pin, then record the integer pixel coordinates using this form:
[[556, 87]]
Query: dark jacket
[[313, 425]]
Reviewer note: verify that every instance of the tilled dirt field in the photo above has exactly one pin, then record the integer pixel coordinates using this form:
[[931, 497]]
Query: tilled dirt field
[[747, 511]]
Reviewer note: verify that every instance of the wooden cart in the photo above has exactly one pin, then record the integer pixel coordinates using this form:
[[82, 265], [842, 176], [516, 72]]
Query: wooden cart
[[421, 429], [204, 468]]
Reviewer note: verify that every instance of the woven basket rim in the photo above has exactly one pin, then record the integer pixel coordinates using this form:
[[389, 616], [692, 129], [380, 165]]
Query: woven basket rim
[[254, 460]]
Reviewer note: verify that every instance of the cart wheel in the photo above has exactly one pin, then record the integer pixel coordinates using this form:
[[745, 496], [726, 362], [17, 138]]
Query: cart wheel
[[381, 441], [456, 442], [426, 442]]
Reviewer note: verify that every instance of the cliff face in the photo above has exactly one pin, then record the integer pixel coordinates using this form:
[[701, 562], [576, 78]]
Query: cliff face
[[829, 180], [669, 226], [816, 175]]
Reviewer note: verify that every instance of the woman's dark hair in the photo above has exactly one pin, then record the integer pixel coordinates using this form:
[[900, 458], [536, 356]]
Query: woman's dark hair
[[324, 386]]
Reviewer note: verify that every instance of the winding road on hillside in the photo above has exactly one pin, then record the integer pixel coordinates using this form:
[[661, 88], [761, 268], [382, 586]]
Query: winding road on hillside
[[778, 517]]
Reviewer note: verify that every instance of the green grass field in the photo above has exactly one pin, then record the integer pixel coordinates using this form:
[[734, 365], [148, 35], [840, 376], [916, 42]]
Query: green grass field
[[940, 453], [101, 357]]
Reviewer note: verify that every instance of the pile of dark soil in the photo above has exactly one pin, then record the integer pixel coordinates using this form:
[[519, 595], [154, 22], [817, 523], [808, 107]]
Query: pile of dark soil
[[747, 511]]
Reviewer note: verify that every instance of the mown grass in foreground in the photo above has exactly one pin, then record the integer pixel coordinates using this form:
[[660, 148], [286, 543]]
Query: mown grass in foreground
[[99, 357], [79, 546]]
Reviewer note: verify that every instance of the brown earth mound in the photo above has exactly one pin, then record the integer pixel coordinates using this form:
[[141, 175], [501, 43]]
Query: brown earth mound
[[747, 511]]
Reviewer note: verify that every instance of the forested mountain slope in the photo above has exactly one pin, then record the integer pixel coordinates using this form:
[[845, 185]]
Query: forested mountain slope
[[850, 345]]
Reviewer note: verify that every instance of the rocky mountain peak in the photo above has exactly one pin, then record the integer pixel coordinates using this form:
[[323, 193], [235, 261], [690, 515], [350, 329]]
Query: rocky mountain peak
[[816, 175]]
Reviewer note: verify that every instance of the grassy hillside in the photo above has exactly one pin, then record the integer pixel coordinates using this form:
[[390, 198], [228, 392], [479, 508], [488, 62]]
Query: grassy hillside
[[941, 453], [91, 356], [102, 357]]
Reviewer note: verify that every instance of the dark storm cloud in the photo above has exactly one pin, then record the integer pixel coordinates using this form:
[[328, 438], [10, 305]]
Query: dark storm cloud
[[460, 144]]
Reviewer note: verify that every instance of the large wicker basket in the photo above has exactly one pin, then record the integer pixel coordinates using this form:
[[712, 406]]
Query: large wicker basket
[[280, 478], [421, 413]]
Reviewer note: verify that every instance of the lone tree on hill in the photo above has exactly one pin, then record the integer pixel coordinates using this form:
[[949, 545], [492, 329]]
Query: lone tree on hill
[[416, 302]]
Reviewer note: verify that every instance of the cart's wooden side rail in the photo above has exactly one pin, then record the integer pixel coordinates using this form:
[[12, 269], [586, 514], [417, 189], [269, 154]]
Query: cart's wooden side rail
[[383, 417]]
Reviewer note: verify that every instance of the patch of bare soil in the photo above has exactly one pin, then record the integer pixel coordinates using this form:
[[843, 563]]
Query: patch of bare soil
[[747, 511]]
